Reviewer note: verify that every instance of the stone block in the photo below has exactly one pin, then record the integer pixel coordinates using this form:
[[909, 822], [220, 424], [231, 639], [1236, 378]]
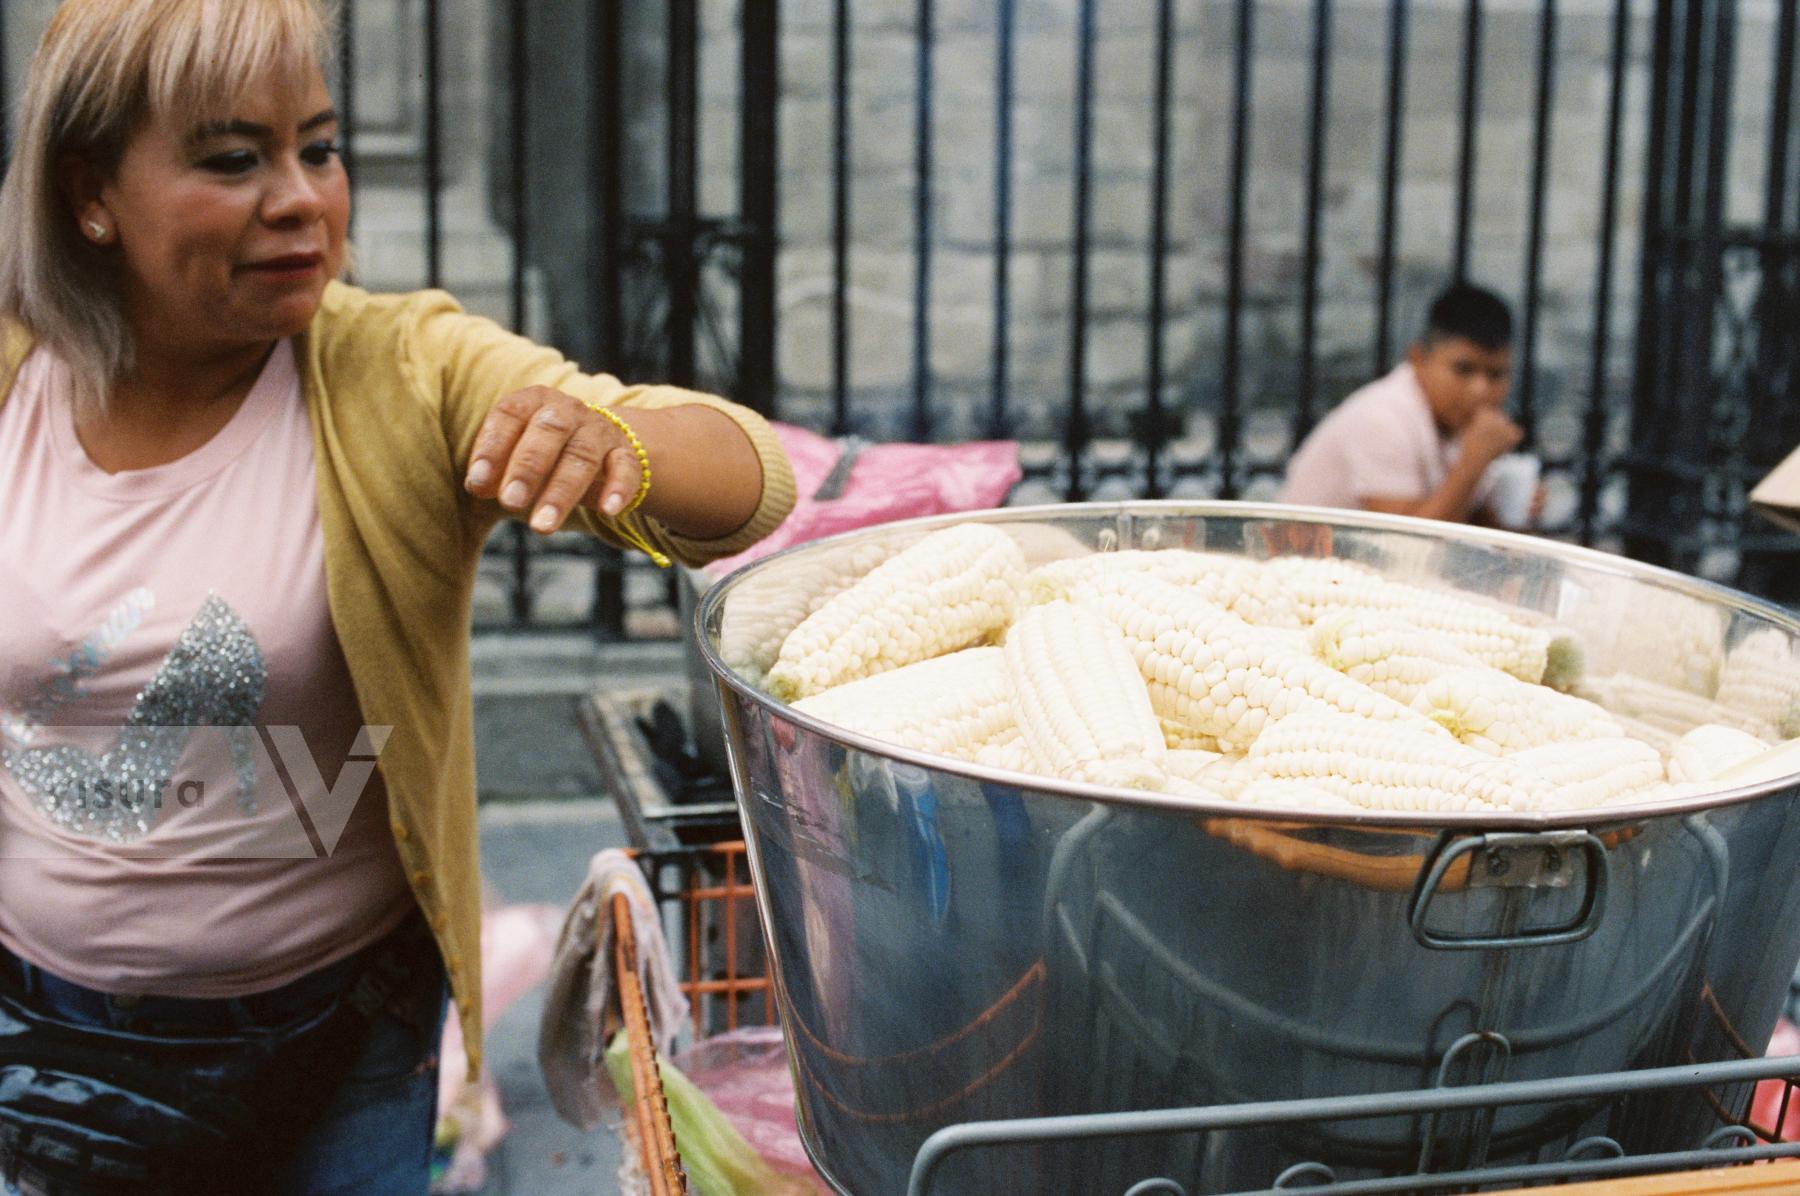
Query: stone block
[[888, 16], [806, 63]]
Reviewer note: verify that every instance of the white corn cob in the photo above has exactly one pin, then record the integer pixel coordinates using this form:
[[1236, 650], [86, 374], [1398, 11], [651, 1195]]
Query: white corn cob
[[1384, 652], [1212, 673], [762, 609], [1708, 752], [1487, 633], [954, 588], [1497, 713], [1594, 772], [1288, 794], [1675, 711], [1078, 699], [1782, 760], [952, 705], [1684, 652], [1243, 587], [1656, 737], [1761, 679], [1386, 765], [1190, 764], [1009, 750], [1178, 738], [1225, 777]]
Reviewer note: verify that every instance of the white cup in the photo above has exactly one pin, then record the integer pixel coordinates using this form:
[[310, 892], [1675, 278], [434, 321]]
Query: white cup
[[1513, 481]]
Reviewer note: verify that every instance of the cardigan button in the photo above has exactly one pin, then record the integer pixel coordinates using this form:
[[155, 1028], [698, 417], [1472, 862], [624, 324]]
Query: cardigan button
[[420, 879], [399, 829]]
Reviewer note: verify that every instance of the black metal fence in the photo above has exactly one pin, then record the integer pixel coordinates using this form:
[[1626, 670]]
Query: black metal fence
[[1672, 385]]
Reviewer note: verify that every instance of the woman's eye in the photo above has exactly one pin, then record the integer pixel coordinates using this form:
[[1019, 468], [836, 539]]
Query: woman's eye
[[230, 162], [319, 153]]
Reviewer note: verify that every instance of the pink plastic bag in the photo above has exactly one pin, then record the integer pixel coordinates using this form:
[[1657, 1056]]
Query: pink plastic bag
[[886, 482], [1768, 1100], [745, 1073]]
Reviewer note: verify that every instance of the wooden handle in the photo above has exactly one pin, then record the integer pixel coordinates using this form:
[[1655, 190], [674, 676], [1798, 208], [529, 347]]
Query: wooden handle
[[1277, 843], [1765, 1179]]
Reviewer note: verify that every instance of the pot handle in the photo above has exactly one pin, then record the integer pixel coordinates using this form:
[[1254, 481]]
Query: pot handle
[[1543, 859]]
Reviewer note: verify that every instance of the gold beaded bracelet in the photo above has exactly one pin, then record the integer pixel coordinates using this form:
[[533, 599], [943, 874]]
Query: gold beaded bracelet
[[626, 533]]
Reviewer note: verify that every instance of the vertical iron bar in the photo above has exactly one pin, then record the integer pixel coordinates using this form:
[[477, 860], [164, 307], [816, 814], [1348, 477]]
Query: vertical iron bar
[[517, 46], [434, 249], [1465, 161], [840, 219], [1661, 248], [1003, 166], [1307, 384], [521, 537], [346, 99], [1594, 437], [5, 97], [1718, 449], [921, 412], [1078, 432], [1234, 291], [1390, 185], [760, 155], [1688, 143], [1534, 237], [681, 253], [1159, 230], [607, 183], [1780, 119]]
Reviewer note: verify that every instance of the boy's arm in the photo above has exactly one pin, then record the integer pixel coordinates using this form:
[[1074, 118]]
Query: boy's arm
[[1490, 434], [1449, 501]]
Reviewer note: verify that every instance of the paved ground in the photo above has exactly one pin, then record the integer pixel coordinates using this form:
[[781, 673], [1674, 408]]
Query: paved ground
[[543, 815], [538, 851]]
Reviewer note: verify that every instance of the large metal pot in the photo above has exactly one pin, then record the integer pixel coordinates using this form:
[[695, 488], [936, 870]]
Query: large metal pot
[[952, 943]]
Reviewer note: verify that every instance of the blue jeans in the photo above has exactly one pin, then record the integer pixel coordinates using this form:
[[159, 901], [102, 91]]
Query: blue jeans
[[373, 1137]]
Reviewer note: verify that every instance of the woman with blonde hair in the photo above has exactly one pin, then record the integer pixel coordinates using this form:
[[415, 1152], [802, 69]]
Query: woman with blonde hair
[[244, 506]]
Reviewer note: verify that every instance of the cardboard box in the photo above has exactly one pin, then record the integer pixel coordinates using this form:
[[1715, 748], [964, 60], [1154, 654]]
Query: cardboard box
[[1778, 495]]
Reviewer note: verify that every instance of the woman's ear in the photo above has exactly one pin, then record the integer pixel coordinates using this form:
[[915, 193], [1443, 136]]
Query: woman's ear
[[81, 187]]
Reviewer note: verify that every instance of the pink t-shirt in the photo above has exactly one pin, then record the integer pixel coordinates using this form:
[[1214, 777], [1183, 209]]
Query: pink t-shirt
[[188, 803], [1381, 442]]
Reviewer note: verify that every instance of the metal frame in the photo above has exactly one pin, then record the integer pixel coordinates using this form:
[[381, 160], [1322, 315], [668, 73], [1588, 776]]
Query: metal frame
[[1718, 1151]]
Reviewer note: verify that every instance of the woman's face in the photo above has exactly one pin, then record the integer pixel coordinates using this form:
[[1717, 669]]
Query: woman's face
[[227, 235]]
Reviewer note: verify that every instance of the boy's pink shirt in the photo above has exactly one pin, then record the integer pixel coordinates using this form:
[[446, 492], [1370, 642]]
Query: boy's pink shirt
[[201, 579], [1381, 442]]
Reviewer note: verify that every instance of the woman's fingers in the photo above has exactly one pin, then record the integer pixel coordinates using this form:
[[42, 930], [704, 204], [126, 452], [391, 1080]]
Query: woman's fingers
[[570, 479], [500, 431], [541, 451], [617, 485]]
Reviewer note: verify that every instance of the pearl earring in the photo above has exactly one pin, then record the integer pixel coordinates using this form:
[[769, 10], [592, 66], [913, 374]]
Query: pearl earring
[[98, 229]]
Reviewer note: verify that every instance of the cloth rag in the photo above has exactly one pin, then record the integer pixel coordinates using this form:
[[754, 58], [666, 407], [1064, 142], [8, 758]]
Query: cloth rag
[[572, 1031]]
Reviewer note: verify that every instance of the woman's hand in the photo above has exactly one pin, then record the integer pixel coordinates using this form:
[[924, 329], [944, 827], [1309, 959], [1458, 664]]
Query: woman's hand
[[542, 451]]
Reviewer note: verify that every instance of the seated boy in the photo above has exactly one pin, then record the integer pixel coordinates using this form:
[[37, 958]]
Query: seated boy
[[1419, 441]]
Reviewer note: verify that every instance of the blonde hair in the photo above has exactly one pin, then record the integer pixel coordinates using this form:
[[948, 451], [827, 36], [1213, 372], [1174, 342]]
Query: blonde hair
[[105, 69]]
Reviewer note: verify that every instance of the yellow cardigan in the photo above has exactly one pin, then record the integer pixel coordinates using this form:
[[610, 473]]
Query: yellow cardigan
[[396, 387]]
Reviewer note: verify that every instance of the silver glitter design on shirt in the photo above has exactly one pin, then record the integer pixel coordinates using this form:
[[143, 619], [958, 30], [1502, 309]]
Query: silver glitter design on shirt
[[214, 676]]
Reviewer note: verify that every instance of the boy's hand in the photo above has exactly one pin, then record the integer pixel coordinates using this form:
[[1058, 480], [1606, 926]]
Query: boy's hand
[[1489, 434]]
